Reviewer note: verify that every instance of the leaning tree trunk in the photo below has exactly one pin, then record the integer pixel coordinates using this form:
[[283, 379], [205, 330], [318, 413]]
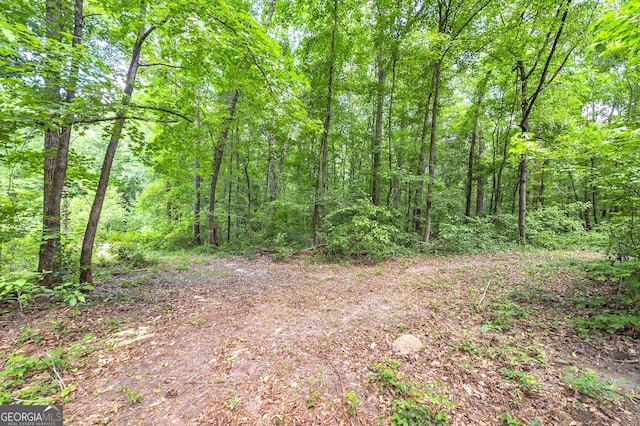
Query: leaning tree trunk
[[116, 133]]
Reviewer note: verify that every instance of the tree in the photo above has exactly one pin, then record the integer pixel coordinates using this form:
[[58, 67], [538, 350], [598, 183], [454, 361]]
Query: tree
[[143, 32]]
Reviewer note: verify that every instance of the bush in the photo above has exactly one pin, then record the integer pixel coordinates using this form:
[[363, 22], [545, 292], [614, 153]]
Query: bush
[[361, 229], [557, 227], [477, 234]]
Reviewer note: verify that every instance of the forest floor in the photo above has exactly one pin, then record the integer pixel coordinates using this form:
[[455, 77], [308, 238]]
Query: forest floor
[[232, 341]]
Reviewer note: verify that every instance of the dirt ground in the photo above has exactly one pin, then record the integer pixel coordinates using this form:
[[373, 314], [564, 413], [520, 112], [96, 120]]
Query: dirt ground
[[232, 341]]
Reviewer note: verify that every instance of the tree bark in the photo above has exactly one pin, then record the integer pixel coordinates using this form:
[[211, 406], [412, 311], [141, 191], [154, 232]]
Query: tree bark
[[86, 253], [321, 182]]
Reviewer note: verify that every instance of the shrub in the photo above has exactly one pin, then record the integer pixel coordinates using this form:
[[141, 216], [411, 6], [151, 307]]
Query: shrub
[[477, 234], [362, 229]]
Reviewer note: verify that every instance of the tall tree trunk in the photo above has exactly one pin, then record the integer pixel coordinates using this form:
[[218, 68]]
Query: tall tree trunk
[[377, 138], [522, 206], [592, 187], [56, 143], [523, 165], [480, 181], [116, 133], [197, 204], [321, 183], [272, 180], [432, 152], [422, 161], [217, 161], [230, 190], [472, 148], [527, 103], [197, 183], [394, 182], [249, 204]]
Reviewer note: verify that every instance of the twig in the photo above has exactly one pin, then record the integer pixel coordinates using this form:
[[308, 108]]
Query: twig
[[58, 378], [627, 361], [483, 295]]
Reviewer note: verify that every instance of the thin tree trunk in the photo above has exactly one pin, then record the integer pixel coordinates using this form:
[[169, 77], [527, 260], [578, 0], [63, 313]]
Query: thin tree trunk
[[249, 206], [422, 161], [432, 153], [394, 182], [522, 206], [217, 161], [321, 183], [197, 205], [527, 103], [116, 133], [377, 139], [229, 199], [472, 147], [592, 187], [480, 181], [272, 182], [197, 183]]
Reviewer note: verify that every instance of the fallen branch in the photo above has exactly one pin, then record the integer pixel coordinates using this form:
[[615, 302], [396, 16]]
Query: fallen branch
[[58, 378], [483, 295]]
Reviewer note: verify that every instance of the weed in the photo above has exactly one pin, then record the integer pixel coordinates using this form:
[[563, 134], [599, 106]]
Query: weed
[[58, 326], [36, 380], [510, 420], [468, 346], [526, 382], [315, 393], [589, 384], [502, 315], [408, 407], [27, 333], [406, 412], [352, 402], [610, 321], [387, 379], [132, 395], [114, 324], [231, 405]]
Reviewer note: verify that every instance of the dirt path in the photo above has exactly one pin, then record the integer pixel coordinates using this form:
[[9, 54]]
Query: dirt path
[[230, 341]]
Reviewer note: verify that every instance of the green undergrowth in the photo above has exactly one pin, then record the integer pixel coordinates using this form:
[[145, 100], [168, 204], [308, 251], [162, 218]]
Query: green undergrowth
[[38, 380], [412, 404]]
